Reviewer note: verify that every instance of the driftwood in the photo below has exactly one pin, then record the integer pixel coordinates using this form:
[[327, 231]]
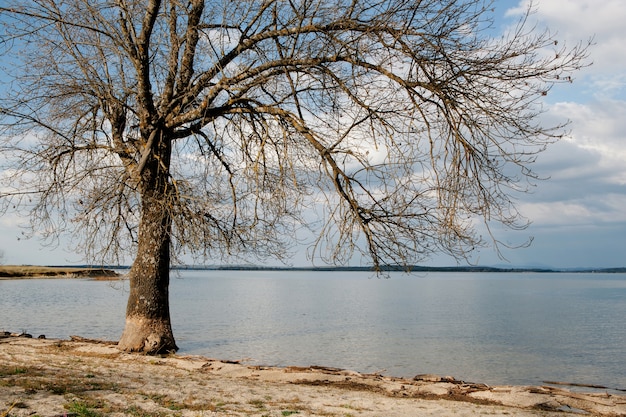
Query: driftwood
[[602, 399], [576, 384], [87, 340]]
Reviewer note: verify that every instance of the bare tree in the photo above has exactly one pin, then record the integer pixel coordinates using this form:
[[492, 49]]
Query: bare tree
[[215, 128]]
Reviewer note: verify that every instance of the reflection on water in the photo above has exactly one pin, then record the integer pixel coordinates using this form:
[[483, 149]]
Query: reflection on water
[[492, 328]]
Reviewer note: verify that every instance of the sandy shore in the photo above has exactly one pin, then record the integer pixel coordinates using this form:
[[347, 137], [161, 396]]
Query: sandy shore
[[82, 378]]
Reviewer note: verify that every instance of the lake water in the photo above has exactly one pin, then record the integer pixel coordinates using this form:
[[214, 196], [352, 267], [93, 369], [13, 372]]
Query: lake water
[[495, 328]]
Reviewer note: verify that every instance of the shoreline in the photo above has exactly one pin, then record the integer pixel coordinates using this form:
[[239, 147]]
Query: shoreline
[[384, 269], [54, 377], [38, 272]]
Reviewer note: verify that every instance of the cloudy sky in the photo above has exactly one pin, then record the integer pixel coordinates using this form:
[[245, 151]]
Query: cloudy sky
[[578, 215]]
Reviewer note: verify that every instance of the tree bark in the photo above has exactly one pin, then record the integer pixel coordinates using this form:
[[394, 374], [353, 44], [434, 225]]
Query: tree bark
[[148, 327]]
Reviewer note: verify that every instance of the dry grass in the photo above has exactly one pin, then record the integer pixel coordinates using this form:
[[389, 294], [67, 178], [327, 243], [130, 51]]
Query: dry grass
[[33, 379]]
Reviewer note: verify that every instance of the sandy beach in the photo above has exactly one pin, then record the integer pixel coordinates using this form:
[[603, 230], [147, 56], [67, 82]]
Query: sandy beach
[[79, 377]]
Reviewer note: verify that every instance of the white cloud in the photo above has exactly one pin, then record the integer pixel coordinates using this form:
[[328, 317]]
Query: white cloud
[[599, 128], [587, 182], [578, 212], [575, 21], [578, 217]]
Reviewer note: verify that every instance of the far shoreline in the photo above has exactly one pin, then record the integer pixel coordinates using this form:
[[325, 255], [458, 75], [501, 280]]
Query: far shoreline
[[103, 271], [37, 272]]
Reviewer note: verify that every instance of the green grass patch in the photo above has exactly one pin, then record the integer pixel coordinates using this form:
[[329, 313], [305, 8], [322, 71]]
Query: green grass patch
[[12, 370], [81, 409], [257, 403]]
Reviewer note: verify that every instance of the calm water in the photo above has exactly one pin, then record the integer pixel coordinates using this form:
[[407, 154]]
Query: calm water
[[492, 328]]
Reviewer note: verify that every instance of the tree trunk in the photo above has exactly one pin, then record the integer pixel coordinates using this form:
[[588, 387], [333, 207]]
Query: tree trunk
[[148, 328]]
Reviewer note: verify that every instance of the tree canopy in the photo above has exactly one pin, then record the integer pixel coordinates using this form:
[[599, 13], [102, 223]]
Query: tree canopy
[[390, 128]]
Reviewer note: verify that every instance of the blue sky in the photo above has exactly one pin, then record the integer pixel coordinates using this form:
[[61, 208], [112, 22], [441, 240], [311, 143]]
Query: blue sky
[[578, 215]]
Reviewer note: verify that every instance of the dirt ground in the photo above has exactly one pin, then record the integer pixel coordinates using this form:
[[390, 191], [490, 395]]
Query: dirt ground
[[41, 377]]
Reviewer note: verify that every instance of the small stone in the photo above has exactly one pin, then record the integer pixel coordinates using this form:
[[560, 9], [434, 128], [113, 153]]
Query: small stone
[[26, 335]]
